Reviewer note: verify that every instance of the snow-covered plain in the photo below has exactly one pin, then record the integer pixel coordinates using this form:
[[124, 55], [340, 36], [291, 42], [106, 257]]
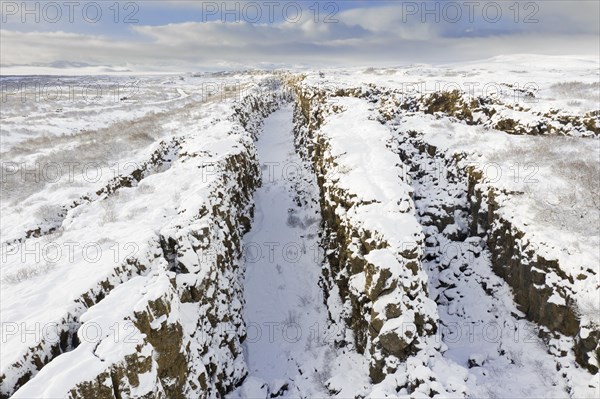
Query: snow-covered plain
[[343, 233]]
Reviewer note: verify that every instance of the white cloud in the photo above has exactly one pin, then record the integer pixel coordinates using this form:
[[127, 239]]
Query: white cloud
[[362, 37]]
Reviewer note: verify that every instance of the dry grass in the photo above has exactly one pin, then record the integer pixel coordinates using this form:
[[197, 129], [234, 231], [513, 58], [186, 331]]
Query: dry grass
[[577, 90], [27, 273], [567, 193]]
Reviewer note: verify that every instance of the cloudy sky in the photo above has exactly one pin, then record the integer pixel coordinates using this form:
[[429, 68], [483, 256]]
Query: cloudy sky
[[211, 35]]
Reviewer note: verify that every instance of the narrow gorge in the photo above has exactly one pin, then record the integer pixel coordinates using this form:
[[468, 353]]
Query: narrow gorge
[[322, 238]]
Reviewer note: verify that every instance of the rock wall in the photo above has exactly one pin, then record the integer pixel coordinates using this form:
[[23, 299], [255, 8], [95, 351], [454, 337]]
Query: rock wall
[[533, 277], [496, 113], [377, 274]]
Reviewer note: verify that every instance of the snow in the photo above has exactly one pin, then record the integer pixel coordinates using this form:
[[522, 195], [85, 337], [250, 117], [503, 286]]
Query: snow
[[381, 179], [284, 311]]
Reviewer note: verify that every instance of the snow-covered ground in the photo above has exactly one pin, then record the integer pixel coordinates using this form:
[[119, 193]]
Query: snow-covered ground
[[114, 236], [419, 231]]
